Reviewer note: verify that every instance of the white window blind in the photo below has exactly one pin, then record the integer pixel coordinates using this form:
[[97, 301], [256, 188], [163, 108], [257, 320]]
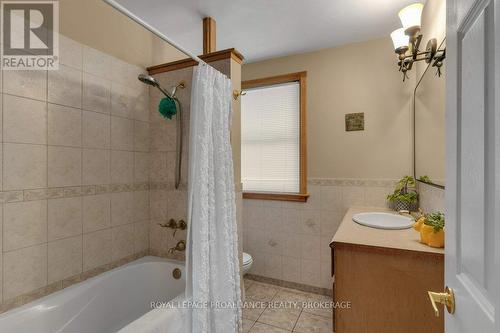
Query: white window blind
[[270, 138]]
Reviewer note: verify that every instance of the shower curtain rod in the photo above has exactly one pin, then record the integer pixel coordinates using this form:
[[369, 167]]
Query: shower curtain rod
[[155, 31]]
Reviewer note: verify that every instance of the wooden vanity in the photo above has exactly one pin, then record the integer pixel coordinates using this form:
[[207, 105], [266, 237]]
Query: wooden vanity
[[385, 274]]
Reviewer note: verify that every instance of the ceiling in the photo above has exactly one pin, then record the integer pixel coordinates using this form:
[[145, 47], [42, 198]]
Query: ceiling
[[263, 29]]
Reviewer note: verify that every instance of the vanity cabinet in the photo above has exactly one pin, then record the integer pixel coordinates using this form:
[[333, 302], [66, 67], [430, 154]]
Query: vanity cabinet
[[385, 275]]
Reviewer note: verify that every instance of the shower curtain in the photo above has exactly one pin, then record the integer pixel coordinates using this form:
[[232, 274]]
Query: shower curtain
[[212, 264]]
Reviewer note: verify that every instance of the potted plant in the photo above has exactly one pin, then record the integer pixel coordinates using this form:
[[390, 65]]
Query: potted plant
[[431, 228], [405, 196]]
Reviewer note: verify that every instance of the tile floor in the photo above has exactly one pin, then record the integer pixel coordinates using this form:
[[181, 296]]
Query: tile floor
[[273, 309]]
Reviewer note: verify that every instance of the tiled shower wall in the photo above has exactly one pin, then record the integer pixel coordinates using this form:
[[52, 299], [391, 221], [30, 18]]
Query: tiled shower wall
[[290, 241], [166, 201], [75, 169]]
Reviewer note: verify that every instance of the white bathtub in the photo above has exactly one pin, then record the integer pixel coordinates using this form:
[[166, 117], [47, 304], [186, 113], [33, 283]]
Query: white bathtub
[[102, 304]]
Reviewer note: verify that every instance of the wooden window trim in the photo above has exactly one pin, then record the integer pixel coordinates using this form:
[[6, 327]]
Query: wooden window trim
[[268, 81]]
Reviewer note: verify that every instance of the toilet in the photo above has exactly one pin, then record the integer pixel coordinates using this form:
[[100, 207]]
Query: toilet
[[247, 262]]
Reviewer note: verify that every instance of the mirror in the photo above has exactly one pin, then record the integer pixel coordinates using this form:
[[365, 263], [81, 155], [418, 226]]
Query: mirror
[[429, 126]]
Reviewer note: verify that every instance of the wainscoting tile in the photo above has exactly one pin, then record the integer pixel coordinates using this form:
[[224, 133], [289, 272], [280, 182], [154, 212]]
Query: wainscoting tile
[[122, 241], [96, 212], [122, 208], [64, 258], [24, 270], [24, 224], [64, 217], [96, 249]]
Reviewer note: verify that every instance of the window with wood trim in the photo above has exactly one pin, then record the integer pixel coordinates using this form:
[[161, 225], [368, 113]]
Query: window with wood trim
[[273, 138]]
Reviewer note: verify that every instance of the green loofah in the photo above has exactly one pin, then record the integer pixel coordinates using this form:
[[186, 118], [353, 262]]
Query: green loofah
[[167, 107]]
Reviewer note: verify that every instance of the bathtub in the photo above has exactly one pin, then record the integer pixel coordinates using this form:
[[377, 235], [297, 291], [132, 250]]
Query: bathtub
[[102, 304]]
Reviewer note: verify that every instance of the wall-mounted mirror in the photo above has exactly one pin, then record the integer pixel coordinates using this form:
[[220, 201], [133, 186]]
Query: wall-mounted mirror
[[429, 125]]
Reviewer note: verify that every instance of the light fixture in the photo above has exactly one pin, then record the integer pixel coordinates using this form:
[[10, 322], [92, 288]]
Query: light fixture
[[410, 17], [407, 40], [400, 41]]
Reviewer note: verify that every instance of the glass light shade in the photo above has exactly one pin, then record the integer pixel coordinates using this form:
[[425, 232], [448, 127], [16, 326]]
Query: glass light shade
[[400, 39], [410, 16]]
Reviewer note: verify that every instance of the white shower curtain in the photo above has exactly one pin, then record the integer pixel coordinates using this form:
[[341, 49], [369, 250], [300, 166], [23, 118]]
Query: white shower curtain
[[212, 264]]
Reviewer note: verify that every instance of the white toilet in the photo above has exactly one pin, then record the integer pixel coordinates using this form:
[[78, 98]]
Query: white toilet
[[247, 262]]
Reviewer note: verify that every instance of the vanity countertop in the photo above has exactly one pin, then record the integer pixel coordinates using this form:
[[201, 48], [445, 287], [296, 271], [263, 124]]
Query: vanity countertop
[[350, 232]]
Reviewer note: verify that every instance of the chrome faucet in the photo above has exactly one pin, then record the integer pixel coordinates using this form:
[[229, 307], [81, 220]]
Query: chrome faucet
[[180, 246], [172, 224]]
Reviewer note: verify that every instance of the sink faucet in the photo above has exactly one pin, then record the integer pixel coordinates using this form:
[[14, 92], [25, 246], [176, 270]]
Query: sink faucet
[[180, 246], [405, 212]]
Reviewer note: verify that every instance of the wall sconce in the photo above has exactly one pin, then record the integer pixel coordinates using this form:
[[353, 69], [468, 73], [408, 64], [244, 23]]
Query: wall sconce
[[407, 41]]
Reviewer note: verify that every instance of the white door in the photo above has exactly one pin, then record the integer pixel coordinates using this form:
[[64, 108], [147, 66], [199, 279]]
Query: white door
[[473, 165]]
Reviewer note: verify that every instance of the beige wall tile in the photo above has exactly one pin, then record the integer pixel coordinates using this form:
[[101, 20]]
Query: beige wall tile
[[96, 130], [141, 167], [96, 166], [65, 166], [122, 100], [122, 241], [158, 204], [310, 272], [122, 208], [65, 86], [141, 236], [158, 166], [24, 270], [96, 93], [122, 133], [122, 166], [141, 206], [96, 212], [124, 73], [64, 217], [141, 136], [331, 198], [70, 52], [163, 135], [96, 62], [291, 269], [30, 84], [64, 258], [24, 120], [24, 224], [65, 126], [24, 166], [96, 249]]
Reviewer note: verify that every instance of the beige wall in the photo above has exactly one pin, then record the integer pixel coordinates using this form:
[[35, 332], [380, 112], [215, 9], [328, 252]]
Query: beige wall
[[98, 25], [360, 77]]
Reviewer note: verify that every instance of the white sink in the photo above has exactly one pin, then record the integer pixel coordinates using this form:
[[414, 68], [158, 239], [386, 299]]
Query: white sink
[[383, 220]]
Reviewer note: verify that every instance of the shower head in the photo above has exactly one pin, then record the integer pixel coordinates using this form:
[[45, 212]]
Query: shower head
[[147, 79]]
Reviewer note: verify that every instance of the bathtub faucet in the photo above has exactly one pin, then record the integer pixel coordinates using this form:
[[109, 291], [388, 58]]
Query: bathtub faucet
[[180, 246]]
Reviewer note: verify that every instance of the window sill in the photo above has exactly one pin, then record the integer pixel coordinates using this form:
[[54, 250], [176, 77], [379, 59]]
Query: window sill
[[297, 197]]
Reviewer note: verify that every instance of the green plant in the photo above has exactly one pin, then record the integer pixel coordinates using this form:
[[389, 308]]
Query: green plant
[[435, 220], [404, 191], [425, 179]]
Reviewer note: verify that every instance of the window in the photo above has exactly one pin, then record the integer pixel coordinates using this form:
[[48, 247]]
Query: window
[[273, 142]]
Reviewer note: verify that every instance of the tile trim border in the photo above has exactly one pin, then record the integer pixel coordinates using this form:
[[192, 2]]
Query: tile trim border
[[351, 182], [291, 285]]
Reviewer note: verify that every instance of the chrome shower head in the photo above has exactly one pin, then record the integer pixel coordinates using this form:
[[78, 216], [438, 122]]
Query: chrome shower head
[[147, 79]]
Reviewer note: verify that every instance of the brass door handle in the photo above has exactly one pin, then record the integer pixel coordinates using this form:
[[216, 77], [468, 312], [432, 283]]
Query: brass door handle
[[447, 298]]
